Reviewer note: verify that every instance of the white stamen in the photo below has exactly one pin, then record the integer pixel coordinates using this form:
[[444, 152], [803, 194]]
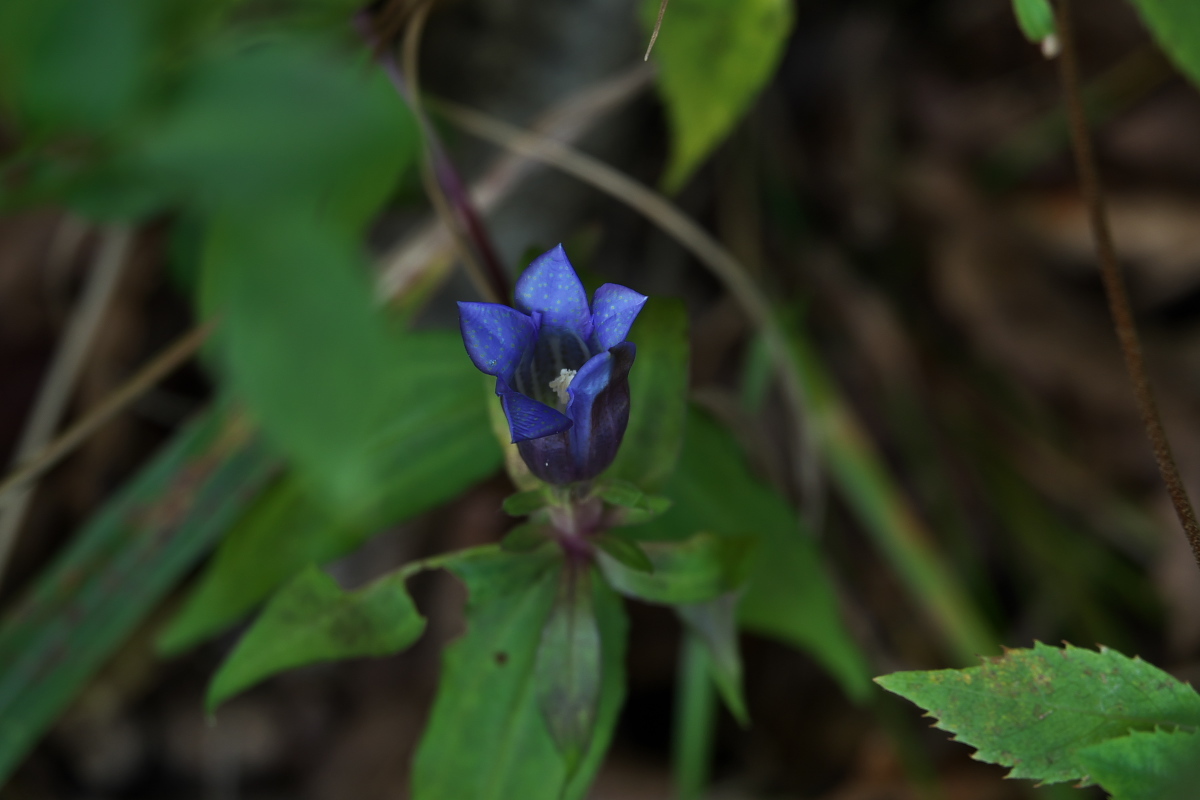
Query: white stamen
[[560, 384]]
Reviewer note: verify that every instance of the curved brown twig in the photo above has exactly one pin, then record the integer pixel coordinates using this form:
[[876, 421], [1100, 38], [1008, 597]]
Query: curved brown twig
[[1114, 282]]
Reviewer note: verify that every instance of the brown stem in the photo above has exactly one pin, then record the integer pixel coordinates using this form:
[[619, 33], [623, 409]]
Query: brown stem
[[1114, 283]]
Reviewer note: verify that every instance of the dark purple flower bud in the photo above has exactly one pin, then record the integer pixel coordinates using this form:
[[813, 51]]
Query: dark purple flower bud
[[561, 367]]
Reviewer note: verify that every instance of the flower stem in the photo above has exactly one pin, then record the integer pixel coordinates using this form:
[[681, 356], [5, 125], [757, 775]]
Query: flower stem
[[1114, 282]]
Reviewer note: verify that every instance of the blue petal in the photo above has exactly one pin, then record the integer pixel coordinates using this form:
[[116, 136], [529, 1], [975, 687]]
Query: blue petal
[[615, 308], [527, 418], [599, 409], [497, 337], [551, 286]]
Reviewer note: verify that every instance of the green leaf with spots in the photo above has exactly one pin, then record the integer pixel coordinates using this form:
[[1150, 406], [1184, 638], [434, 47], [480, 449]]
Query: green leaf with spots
[[1036, 710], [487, 738], [311, 619], [431, 445], [714, 57]]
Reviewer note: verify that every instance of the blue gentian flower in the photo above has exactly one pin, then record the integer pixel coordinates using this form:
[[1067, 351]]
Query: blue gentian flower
[[561, 367]]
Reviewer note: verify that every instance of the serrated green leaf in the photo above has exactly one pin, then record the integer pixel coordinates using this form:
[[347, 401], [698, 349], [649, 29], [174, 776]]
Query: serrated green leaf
[[693, 571], [1176, 26], [567, 668], [1035, 710], [310, 620], [658, 385], [714, 624], [522, 504], [486, 738], [625, 551], [714, 57], [1035, 18], [1146, 765], [434, 443], [788, 593], [117, 570]]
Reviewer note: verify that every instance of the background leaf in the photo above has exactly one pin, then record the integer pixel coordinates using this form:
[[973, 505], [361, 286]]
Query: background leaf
[[1035, 710], [486, 737], [434, 443], [1146, 765], [658, 385], [714, 57], [118, 568], [788, 593], [1176, 26], [714, 624], [311, 619]]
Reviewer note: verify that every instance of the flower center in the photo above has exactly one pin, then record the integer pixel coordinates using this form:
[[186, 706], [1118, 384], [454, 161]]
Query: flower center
[[543, 374], [560, 384]]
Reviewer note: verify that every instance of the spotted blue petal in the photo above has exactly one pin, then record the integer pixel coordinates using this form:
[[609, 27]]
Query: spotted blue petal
[[614, 308], [497, 337], [551, 286]]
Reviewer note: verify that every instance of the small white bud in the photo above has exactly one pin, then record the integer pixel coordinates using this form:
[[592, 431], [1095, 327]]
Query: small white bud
[[1051, 46]]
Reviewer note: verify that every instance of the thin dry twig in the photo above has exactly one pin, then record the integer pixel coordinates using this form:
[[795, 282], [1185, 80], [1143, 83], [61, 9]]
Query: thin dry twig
[[1114, 282], [662, 10], [163, 364], [63, 374], [565, 122], [670, 219]]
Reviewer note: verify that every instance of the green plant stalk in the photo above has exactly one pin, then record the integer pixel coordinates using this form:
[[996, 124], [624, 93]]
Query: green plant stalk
[[695, 720], [856, 469]]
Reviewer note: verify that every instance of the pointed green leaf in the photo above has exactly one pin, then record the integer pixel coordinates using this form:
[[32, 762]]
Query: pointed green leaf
[[311, 619], [714, 57], [1176, 26], [567, 668], [1146, 765], [658, 385], [1035, 710], [788, 593], [714, 623], [432, 445], [1035, 18], [684, 572], [487, 738]]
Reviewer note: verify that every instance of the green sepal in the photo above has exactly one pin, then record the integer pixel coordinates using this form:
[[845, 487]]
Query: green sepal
[[522, 504], [692, 571], [624, 550], [524, 538]]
